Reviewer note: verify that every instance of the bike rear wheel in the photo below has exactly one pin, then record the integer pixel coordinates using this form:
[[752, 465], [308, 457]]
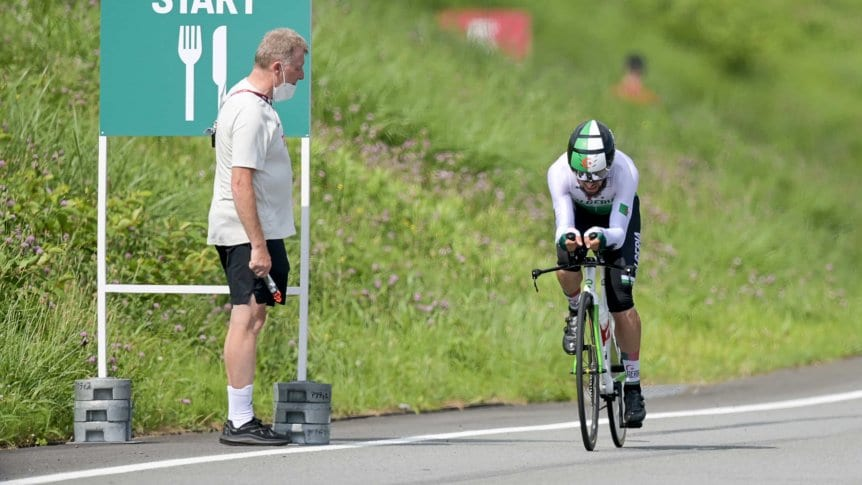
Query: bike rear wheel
[[586, 372], [616, 410], [616, 416]]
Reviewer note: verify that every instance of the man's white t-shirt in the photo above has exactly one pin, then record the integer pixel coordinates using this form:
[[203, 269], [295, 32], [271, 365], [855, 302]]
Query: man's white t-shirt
[[249, 134]]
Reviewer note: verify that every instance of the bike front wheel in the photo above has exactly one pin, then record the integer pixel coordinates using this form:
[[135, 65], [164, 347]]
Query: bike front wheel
[[586, 372]]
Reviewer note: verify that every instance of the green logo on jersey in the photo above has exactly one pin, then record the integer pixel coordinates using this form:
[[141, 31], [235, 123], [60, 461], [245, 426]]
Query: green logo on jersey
[[624, 209]]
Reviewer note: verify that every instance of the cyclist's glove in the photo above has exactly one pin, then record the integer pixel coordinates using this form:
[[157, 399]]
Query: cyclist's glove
[[561, 242], [599, 232]]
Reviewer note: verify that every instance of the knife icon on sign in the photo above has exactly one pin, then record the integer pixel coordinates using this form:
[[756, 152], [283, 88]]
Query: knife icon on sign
[[220, 61]]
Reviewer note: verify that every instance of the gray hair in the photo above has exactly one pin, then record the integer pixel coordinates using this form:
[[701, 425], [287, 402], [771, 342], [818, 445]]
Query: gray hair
[[279, 45]]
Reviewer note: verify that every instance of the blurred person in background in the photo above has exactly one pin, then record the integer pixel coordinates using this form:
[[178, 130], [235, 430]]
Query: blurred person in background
[[593, 188], [631, 87], [250, 215]]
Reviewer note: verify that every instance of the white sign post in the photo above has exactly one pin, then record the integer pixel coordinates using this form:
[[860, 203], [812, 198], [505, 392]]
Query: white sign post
[[164, 52]]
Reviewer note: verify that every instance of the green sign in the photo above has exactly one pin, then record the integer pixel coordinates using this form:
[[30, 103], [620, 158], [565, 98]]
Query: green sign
[[166, 63]]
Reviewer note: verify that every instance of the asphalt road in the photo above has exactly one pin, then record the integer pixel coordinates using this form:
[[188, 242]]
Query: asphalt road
[[792, 426]]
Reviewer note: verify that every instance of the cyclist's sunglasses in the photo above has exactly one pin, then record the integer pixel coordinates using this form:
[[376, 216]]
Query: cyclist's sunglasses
[[592, 176]]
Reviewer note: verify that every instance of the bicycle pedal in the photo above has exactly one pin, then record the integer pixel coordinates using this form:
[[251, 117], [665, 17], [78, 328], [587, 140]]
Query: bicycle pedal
[[632, 425], [617, 368]]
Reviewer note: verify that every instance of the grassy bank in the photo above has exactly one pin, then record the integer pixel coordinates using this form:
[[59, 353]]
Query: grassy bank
[[429, 208]]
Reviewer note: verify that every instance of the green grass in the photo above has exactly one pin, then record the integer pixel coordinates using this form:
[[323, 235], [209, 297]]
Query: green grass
[[429, 208]]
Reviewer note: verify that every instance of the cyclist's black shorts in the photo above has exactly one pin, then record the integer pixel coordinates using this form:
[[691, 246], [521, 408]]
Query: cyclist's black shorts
[[242, 281], [620, 285]]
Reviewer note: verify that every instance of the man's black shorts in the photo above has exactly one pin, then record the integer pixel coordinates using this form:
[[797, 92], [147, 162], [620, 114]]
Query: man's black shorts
[[242, 281]]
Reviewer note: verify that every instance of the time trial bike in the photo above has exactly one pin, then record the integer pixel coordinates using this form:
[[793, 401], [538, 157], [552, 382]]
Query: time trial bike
[[597, 367]]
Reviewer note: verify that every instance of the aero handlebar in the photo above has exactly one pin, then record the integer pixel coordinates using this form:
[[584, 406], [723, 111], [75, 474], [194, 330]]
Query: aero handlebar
[[577, 259]]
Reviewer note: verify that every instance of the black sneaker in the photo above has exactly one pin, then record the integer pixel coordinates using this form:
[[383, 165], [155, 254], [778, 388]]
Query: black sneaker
[[635, 410], [570, 336], [252, 433]]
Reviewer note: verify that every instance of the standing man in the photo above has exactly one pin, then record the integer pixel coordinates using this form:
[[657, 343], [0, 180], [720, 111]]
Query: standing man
[[594, 191], [251, 214]]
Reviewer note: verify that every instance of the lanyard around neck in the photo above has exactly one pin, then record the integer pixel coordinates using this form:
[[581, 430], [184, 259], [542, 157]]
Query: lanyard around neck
[[262, 96], [265, 98]]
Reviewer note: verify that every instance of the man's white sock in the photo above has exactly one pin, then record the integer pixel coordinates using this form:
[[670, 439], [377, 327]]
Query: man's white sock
[[239, 405], [573, 299], [633, 371]]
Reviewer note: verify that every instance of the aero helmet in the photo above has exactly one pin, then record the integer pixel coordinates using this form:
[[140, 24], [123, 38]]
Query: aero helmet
[[591, 151]]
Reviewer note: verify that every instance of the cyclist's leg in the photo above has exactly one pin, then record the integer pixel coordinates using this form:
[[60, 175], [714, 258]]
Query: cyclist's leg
[[570, 282], [628, 333], [628, 322], [569, 279], [620, 289]]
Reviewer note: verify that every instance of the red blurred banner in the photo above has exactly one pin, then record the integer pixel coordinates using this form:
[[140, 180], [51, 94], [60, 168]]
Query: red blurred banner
[[505, 29]]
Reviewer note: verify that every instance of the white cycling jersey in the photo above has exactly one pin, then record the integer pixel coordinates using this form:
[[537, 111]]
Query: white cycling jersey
[[614, 200]]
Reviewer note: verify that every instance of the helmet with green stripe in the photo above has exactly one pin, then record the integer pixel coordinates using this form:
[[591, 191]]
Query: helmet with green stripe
[[591, 151]]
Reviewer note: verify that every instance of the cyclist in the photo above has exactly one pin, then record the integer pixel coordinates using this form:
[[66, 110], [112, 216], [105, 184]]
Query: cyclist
[[594, 191]]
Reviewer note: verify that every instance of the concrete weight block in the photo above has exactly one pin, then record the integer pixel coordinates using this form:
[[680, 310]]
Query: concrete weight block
[[103, 432], [112, 411], [304, 434], [103, 389], [302, 413], [303, 391]]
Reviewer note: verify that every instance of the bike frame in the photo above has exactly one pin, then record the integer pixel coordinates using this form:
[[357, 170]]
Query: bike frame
[[593, 271], [593, 267]]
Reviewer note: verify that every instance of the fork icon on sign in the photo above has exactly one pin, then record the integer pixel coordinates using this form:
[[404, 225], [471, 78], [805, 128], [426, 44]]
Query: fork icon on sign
[[189, 49]]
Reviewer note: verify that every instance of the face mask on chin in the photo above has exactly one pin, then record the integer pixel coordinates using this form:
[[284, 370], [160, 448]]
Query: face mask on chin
[[283, 91]]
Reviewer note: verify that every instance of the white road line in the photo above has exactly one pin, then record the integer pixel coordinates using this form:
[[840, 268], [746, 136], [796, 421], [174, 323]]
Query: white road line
[[117, 470]]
